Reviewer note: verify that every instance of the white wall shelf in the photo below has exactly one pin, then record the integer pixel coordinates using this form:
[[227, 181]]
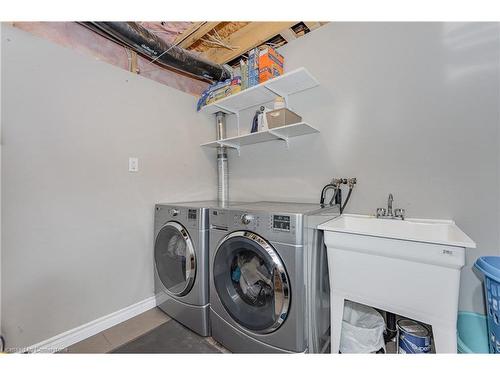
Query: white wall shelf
[[282, 133], [285, 85], [290, 83]]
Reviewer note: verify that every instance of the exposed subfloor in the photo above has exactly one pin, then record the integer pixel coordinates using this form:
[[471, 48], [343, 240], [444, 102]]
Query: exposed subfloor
[[150, 332]]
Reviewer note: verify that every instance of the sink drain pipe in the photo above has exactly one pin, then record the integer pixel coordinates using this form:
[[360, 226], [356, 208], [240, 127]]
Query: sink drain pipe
[[222, 162]]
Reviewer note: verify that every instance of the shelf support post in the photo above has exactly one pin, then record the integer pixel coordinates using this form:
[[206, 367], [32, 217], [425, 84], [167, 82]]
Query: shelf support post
[[281, 137], [238, 125]]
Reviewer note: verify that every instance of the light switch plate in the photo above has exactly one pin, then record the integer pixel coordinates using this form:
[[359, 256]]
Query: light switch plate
[[133, 164]]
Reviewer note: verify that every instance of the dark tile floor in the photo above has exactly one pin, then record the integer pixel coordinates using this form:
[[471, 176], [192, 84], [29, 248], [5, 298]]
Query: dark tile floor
[[150, 332], [170, 337]]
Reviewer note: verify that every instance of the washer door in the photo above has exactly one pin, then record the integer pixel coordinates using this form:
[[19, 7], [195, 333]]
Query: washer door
[[251, 282], [175, 258]]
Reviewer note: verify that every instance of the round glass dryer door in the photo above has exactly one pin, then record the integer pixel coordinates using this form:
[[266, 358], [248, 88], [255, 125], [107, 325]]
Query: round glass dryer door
[[175, 258], [251, 282]]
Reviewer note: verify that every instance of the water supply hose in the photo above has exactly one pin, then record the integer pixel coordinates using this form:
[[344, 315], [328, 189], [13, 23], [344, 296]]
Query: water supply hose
[[323, 192], [342, 206], [351, 182]]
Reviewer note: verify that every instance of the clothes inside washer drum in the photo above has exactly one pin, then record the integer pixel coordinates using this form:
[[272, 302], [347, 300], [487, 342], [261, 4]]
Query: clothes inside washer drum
[[253, 278]]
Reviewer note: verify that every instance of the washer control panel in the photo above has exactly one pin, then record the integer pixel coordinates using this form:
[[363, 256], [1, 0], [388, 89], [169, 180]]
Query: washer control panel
[[274, 226]]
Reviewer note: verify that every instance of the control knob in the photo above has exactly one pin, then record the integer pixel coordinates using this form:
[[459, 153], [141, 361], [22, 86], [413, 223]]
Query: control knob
[[246, 218], [173, 212]]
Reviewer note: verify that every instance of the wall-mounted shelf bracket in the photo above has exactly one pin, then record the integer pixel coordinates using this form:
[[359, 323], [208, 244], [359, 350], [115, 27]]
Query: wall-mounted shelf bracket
[[229, 144], [281, 137]]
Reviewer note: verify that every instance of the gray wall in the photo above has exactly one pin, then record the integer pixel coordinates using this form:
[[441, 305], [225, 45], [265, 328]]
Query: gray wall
[[410, 109], [1, 39], [77, 226], [407, 108]]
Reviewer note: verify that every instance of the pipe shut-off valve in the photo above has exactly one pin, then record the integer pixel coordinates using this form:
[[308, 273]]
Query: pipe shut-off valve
[[335, 185]]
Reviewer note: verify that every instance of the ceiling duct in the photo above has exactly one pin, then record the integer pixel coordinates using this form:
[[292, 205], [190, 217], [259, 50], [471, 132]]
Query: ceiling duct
[[158, 50]]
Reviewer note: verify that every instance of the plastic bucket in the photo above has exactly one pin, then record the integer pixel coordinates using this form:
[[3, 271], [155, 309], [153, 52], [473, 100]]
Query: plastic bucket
[[472, 333], [490, 268]]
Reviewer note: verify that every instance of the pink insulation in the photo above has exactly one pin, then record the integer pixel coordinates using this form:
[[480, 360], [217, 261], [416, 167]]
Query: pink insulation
[[81, 39], [167, 30]]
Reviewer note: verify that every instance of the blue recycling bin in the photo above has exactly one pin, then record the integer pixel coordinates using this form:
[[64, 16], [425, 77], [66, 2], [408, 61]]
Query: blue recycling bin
[[490, 268]]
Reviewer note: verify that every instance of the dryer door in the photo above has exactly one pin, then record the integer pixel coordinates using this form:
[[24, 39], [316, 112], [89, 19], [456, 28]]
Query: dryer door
[[175, 259], [251, 282]]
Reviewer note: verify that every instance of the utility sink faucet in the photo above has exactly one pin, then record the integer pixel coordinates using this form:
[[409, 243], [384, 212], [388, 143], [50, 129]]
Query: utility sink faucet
[[383, 213], [389, 205]]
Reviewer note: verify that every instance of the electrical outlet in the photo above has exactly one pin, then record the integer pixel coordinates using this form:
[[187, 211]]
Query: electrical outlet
[[133, 164]]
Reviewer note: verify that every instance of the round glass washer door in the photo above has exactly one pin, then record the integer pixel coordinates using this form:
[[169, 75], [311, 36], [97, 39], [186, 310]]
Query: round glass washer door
[[175, 259], [251, 282]]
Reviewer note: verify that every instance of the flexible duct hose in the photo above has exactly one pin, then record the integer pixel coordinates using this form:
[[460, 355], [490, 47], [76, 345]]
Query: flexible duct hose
[[222, 161], [152, 46], [223, 176]]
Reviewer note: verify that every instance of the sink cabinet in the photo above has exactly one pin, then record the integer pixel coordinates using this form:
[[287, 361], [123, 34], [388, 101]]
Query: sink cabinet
[[416, 279]]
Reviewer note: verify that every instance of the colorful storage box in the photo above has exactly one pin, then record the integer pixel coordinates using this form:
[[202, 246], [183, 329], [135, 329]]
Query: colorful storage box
[[270, 64]]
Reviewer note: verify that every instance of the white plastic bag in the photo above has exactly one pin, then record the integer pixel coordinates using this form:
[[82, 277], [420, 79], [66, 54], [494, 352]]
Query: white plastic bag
[[362, 329]]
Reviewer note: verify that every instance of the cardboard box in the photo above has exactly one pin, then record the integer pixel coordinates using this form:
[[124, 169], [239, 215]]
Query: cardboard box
[[253, 67], [268, 73], [270, 64], [244, 74], [281, 117], [222, 89]]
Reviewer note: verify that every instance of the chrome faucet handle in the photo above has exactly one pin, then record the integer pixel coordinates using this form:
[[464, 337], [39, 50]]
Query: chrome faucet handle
[[380, 212], [399, 212]]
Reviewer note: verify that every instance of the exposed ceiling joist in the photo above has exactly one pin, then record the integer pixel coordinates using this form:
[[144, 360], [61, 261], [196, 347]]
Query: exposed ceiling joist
[[312, 25], [246, 38], [194, 33], [288, 35]]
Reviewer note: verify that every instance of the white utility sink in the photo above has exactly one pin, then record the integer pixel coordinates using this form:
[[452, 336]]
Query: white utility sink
[[443, 232], [409, 267]]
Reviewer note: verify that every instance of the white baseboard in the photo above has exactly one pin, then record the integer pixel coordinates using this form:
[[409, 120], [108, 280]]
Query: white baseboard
[[86, 330]]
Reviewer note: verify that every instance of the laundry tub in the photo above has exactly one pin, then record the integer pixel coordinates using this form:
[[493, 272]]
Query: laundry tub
[[490, 267], [472, 333]]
